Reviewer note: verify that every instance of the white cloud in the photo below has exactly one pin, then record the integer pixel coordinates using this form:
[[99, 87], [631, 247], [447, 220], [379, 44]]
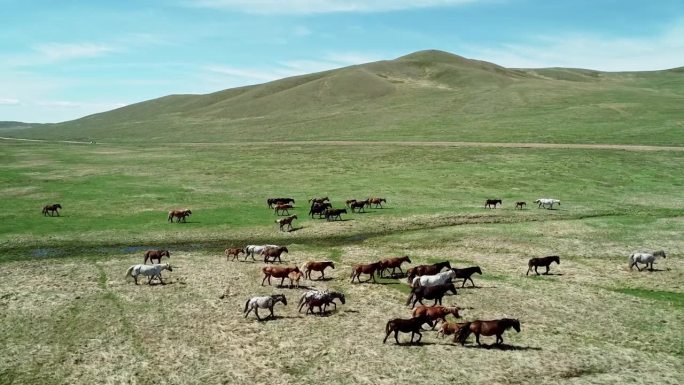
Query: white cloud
[[9, 101], [322, 6], [66, 51], [591, 51], [302, 30]]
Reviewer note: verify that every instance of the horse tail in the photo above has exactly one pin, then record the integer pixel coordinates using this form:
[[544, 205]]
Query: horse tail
[[463, 333], [388, 327], [129, 272], [631, 260], [246, 305]]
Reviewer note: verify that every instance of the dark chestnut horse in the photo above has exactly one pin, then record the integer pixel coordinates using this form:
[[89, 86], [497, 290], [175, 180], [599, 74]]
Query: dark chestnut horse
[[377, 202], [277, 272], [520, 204], [179, 215], [369, 268], [52, 209], [317, 266], [487, 328], [492, 202], [467, 273], [319, 200], [234, 252], [272, 201], [449, 328], [319, 208], [436, 293], [420, 270], [394, 263], [273, 253], [545, 261], [412, 325], [349, 202], [287, 221], [436, 313], [334, 214], [282, 209], [156, 254], [359, 205]]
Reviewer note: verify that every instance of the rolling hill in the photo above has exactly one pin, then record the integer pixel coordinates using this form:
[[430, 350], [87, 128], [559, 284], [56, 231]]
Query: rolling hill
[[427, 95]]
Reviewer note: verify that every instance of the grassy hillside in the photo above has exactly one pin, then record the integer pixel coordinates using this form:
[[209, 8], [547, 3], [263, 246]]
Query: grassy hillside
[[428, 95]]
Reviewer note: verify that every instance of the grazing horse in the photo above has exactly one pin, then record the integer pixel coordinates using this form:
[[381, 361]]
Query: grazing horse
[[449, 328], [319, 200], [543, 202], [645, 258], [434, 280], [321, 301], [282, 208], [317, 266], [377, 202], [369, 268], [277, 272], [273, 252], [334, 214], [394, 263], [487, 328], [426, 270], [52, 209], [234, 251], [467, 273], [250, 250], [155, 254], [319, 208], [179, 214], [545, 261], [287, 221], [492, 202], [272, 201], [359, 205], [266, 302], [152, 271], [436, 313], [520, 204], [437, 292], [412, 325]]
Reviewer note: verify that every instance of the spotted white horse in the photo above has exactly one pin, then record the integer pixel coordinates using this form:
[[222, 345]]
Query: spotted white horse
[[543, 202], [152, 271], [250, 250], [645, 258], [266, 302], [434, 280]]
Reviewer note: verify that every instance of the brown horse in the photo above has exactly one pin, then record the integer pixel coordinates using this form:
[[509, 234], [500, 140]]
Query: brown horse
[[294, 278], [156, 254], [359, 205], [487, 328], [520, 204], [412, 325], [369, 268], [273, 252], [377, 202], [317, 266], [319, 208], [545, 261], [234, 251], [421, 270], [287, 221], [277, 272], [393, 263], [52, 209], [319, 200], [349, 202], [436, 313], [281, 208], [334, 214], [179, 215], [436, 293], [492, 202], [449, 328]]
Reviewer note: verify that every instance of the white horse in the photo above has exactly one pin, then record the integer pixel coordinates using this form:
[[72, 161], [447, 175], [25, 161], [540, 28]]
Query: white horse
[[543, 202], [434, 280], [250, 250], [152, 271], [645, 258], [266, 302], [311, 294]]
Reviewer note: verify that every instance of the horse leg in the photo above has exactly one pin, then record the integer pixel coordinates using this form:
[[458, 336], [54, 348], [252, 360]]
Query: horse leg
[[436, 300], [529, 268], [160, 279], [471, 281], [396, 336], [535, 270], [373, 277], [135, 277], [256, 312], [281, 281], [547, 270], [262, 281], [419, 337], [386, 336], [272, 315], [477, 338], [464, 282], [248, 311], [499, 339]]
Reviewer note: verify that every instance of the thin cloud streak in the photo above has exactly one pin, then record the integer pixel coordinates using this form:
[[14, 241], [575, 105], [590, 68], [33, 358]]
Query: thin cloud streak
[[68, 51], [306, 7]]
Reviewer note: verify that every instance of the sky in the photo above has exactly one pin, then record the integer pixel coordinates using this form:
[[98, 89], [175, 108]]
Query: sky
[[61, 60]]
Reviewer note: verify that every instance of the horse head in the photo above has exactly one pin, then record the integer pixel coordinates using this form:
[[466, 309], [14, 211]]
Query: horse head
[[659, 253], [338, 295], [477, 270], [454, 311], [280, 297], [58, 206], [283, 249], [331, 264], [168, 267], [165, 252]]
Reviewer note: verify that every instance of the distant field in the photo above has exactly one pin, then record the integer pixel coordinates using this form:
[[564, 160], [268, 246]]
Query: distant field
[[69, 316]]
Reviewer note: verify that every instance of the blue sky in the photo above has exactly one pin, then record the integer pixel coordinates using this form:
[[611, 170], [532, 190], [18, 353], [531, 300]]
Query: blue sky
[[60, 60]]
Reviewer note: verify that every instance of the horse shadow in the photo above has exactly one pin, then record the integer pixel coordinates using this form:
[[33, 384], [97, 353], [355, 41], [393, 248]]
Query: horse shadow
[[157, 283], [295, 229], [323, 279], [502, 347], [274, 318], [415, 344]]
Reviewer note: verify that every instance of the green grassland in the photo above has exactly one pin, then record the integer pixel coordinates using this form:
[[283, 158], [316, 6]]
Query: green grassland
[[427, 95], [69, 316]]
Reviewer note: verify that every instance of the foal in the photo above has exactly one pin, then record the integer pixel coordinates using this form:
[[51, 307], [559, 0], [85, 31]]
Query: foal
[[287, 221], [234, 251], [520, 204], [546, 262], [156, 254]]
